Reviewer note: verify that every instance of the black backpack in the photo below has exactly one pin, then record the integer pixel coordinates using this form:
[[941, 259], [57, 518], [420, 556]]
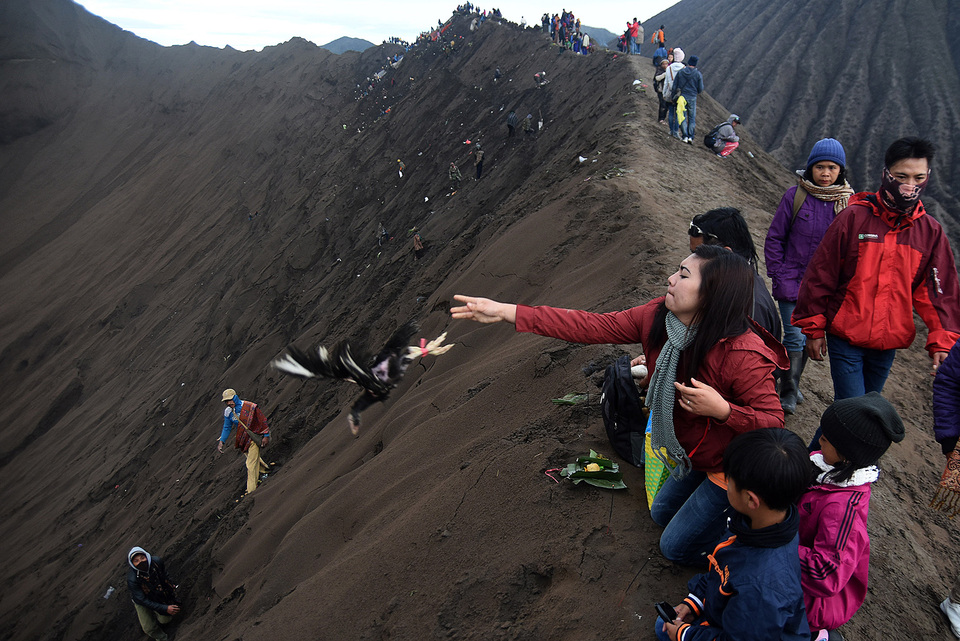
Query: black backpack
[[710, 140], [624, 416]]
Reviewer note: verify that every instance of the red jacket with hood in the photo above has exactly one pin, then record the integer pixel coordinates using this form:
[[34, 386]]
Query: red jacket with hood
[[871, 265], [739, 368]]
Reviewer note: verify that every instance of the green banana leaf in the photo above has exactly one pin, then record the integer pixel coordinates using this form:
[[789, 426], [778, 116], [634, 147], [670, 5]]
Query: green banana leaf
[[609, 476], [573, 398]]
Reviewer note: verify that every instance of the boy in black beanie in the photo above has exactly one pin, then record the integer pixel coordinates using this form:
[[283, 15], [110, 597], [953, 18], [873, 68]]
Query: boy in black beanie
[[834, 545]]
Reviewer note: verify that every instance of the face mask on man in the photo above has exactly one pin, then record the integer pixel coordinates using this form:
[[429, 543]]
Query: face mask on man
[[900, 197]]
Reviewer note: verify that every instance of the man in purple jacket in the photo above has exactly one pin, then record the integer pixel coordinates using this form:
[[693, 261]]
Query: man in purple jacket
[[946, 429]]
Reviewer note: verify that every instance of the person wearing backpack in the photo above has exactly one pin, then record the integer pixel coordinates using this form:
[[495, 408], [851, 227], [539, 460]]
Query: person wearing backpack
[[657, 37], [672, 70], [724, 137], [688, 85], [798, 226], [658, 87]]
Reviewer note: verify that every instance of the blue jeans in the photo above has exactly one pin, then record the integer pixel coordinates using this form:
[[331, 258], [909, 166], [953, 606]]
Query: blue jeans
[[672, 118], [793, 339], [658, 628], [690, 122], [693, 513], [855, 372]]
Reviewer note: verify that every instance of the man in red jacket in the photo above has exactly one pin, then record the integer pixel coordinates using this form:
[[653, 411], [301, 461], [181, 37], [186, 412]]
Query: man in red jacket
[[880, 256]]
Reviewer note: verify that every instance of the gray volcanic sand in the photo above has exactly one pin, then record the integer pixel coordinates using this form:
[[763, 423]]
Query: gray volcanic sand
[[174, 217]]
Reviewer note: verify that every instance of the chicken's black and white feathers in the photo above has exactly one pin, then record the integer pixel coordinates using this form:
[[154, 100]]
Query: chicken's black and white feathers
[[342, 362], [377, 375]]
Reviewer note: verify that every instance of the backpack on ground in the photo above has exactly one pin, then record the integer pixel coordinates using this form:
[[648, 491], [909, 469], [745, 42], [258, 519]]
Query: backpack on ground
[[624, 416], [710, 140]]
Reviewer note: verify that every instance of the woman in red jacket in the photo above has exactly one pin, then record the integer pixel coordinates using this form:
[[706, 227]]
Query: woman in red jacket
[[712, 379]]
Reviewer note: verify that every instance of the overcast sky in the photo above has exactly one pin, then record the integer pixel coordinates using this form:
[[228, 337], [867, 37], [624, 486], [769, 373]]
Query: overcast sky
[[254, 24]]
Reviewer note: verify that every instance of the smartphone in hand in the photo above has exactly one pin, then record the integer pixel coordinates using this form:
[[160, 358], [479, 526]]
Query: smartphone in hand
[[666, 611]]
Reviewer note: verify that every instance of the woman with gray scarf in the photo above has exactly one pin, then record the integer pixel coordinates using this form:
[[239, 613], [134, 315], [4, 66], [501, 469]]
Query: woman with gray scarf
[[712, 379]]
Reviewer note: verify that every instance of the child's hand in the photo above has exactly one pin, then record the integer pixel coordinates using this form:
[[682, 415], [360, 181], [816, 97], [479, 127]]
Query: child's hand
[[684, 613], [701, 399], [671, 628]]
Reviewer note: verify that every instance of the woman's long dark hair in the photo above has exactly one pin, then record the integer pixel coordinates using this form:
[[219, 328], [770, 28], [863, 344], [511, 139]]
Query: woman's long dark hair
[[726, 299]]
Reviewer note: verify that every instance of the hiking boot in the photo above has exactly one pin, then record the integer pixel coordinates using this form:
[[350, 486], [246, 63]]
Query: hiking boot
[[788, 384], [952, 610]]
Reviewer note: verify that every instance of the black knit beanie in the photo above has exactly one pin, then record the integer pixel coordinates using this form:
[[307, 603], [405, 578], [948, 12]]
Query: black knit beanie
[[862, 428]]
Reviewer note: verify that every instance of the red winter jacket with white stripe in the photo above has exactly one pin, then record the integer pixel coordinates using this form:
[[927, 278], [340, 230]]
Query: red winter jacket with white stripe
[[871, 267]]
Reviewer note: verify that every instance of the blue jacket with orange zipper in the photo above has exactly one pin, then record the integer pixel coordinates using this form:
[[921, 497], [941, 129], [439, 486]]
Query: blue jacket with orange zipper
[[752, 590]]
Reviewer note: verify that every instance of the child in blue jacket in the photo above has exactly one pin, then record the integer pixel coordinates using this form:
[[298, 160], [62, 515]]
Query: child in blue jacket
[[752, 588]]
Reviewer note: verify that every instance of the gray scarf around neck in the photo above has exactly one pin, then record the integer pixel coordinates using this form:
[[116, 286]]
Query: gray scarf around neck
[[662, 395]]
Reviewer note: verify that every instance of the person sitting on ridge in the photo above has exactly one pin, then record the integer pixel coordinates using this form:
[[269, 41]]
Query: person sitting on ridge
[[727, 138]]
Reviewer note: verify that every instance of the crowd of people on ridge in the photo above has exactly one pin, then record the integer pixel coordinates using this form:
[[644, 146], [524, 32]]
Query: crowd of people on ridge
[[780, 526], [564, 30]]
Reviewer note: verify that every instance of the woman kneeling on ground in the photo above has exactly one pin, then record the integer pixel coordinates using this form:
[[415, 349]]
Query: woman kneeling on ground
[[712, 379]]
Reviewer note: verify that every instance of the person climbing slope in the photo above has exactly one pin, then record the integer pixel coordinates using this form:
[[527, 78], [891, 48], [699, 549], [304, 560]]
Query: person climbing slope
[[252, 434]]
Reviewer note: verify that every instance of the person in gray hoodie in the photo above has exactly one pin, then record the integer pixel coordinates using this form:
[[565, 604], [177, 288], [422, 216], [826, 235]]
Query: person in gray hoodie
[[688, 85], [727, 138], [154, 594]]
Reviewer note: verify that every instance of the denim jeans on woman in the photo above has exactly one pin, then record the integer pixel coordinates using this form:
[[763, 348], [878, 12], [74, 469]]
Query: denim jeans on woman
[[693, 513], [793, 338]]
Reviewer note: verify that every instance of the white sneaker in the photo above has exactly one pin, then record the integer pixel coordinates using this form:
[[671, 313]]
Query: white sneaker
[[952, 610]]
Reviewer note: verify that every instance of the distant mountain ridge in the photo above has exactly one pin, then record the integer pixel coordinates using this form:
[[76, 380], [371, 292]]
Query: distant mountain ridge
[[340, 45]]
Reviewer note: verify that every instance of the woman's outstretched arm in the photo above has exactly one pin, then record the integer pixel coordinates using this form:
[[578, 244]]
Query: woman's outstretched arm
[[483, 310]]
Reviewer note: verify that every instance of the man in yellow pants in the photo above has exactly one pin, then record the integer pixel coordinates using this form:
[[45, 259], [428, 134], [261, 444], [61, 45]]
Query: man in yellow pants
[[246, 417]]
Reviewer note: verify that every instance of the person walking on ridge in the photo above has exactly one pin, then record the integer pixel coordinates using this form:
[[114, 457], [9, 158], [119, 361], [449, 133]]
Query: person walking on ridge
[[881, 256], [802, 218], [687, 86]]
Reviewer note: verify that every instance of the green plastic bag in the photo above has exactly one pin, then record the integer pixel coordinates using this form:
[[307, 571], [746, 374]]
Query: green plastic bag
[[609, 475]]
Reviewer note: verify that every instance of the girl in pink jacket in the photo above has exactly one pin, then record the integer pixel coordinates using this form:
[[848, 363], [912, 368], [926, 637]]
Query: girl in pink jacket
[[834, 545]]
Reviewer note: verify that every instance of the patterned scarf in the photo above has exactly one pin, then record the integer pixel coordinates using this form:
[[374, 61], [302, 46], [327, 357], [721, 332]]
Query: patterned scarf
[[662, 396], [837, 194]]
